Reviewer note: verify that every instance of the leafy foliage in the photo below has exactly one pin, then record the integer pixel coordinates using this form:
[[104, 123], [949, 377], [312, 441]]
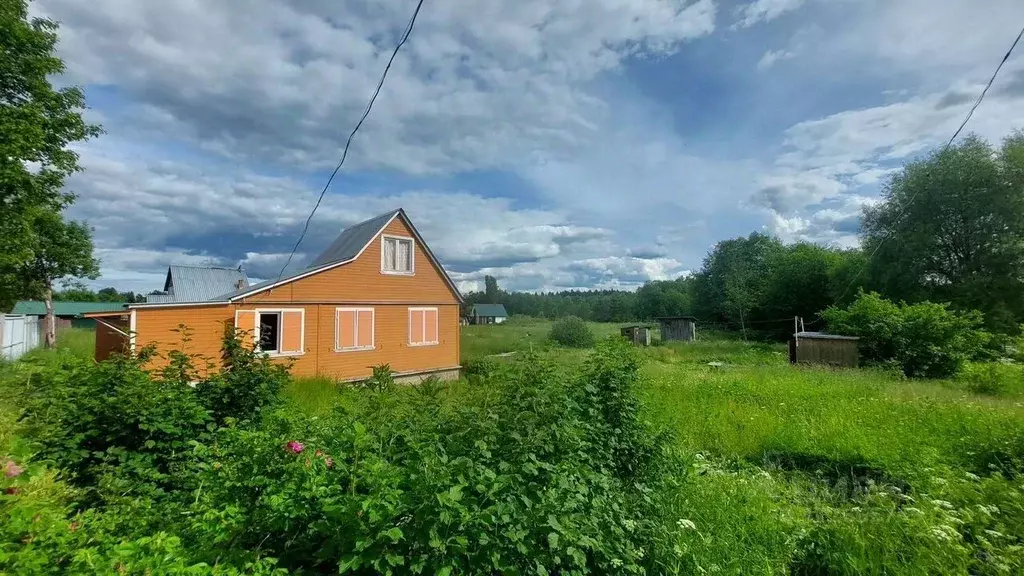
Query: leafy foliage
[[536, 472], [38, 123], [248, 385], [573, 332], [960, 240], [924, 339]]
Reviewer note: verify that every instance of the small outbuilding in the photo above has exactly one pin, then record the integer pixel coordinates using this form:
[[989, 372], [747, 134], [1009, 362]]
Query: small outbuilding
[[637, 335], [678, 328], [821, 348], [487, 314]]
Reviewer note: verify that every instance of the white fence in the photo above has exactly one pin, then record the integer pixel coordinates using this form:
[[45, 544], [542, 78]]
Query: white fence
[[18, 335]]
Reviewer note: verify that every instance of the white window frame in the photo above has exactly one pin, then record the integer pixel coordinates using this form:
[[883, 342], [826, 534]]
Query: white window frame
[[355, 328], [437, 325], [280, 331], [412, 254]]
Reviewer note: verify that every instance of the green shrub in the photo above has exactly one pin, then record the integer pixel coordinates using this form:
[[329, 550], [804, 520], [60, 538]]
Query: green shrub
[[525, 481], [91, 419], [572, 332], [248, 384], [992, 378], [925, 339]]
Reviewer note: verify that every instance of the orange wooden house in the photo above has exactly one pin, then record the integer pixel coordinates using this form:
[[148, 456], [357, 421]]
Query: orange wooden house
[[377, 295]]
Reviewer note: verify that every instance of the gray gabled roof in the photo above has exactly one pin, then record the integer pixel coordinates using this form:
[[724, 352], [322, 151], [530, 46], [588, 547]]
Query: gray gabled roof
[[352, 240], [488, 310], [349, 244], [199, 283]]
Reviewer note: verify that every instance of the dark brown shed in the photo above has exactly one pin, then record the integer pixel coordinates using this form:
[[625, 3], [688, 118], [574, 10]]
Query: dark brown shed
[[821, 348], [678, 328]]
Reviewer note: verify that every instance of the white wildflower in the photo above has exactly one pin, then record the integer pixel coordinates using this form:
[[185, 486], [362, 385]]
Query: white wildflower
[[686, 524], [943, 504], [974, 477]]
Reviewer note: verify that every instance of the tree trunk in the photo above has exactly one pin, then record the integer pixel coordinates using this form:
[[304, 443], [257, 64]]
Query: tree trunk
[[743, 326], [51, 321]]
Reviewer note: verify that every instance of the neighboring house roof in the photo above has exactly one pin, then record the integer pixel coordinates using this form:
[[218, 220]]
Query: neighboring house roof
[[198, 283], [488, 310], [38, 308], [346, 248]]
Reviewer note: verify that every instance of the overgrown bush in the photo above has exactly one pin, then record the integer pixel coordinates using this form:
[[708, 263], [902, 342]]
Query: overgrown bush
[[925, 339], [572, 332], [531, 481], [993, 378], [539, 472], [248, 384], [113, 417]]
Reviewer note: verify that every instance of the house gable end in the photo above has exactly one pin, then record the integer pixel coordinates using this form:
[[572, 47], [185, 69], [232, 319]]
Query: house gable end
[[362, 280]]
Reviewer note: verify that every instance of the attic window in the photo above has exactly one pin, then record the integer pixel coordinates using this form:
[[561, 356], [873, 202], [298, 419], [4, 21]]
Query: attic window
[[396, 255]]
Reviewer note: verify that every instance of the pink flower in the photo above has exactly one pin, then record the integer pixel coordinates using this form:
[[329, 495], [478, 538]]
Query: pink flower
[[296, 446], [12, 470]]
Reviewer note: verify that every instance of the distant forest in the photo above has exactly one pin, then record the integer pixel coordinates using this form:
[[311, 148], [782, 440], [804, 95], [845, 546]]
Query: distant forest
[[949, 228]]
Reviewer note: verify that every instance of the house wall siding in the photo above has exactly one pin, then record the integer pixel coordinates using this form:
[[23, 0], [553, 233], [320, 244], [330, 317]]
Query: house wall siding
[[391, 339]]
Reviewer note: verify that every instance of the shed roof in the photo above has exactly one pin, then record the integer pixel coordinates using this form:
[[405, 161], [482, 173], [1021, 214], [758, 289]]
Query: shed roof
[[488, 310], [824, 336], [664, 318], [200, 283], [38, 307]]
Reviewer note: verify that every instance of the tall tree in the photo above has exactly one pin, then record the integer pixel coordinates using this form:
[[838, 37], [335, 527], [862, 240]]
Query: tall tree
[[951, 229], [491, 292], [59, 249], [735, 277], [37, 124]]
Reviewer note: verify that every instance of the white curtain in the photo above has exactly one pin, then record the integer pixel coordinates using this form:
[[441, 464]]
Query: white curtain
[[389, 254], [404, 257]]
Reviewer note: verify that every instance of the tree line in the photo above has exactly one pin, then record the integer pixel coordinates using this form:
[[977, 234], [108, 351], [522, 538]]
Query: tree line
[[949, 227]]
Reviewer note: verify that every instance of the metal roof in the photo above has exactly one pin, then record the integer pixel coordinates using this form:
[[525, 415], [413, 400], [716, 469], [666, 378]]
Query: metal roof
[[199, 283], [344, 249], [488, 310], [38, 308], [352, 240], [824, 336]]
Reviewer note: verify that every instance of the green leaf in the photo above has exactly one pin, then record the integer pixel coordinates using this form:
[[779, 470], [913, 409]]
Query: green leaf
[[395, 533], [553, 540], [445, 571]]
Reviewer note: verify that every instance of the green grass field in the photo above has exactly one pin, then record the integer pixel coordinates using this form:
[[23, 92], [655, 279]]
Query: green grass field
[[799, 470], [812, 470]]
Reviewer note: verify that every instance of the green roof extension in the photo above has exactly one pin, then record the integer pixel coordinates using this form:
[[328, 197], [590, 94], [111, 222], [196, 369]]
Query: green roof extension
[[38, 308], [489, 310]]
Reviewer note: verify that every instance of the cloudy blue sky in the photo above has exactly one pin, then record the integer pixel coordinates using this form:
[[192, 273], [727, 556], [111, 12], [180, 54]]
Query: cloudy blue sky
[[551, 143]]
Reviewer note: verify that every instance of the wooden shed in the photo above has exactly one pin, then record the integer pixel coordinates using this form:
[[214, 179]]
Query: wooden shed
[[678, 328], [637, 335], [821, 348]]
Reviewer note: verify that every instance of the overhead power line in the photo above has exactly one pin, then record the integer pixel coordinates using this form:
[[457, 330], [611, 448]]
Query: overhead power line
[[944, 149], [348, 143]]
